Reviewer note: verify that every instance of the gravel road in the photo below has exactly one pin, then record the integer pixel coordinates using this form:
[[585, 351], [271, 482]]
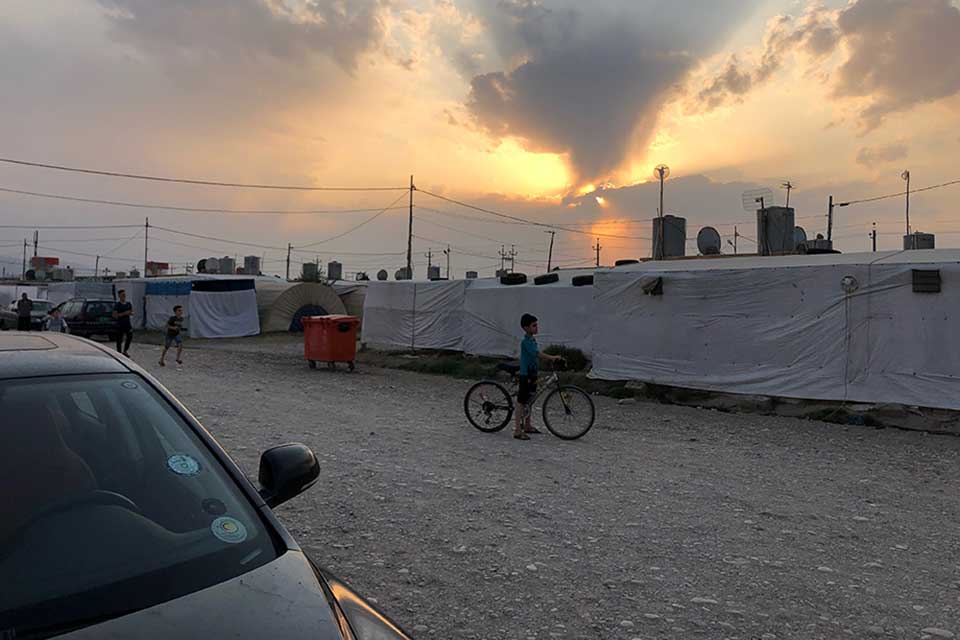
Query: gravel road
[[663, 522]]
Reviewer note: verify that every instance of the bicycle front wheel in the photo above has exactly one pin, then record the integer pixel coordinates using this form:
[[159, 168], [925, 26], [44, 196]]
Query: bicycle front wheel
[[488, 406], [568, 412]]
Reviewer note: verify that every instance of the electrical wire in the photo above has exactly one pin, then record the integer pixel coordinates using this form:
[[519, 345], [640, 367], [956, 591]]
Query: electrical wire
[[176, 209], [352, 229], [213, 183], [900, 194], [56, 226]]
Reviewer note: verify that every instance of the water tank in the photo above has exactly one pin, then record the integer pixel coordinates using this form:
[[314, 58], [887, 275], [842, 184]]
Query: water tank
[[213, 265], [919, 240], [310, 272], [382, 275], [402, 274], [472, 275], [251, 265], [433, 272], [334, 270], [228, 265], [674, 236], [775, 231]]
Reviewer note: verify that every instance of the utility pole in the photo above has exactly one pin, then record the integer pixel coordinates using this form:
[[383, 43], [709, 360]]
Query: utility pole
[[513, 258], [503, 256], [447, 253], [736, 236], [23, 274], [597, 248], [906, 176], [429, 256], [96, 269], [289, 249], [830, 220], [550, 252], [789, 187], [410, 233], [873, 236], [36, 241], [146, 241]]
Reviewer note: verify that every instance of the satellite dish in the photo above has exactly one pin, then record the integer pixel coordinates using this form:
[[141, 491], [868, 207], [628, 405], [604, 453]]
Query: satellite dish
[[213, 265], [753, 198], [382, 275], [661, 172], [708, 242], [799, 236], [202, 266]]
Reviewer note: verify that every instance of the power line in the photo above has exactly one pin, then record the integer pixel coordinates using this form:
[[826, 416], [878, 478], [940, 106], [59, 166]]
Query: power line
[[164, 207], [900, 194], [352, 229], [203, 237], [212, 183], [56, 226]]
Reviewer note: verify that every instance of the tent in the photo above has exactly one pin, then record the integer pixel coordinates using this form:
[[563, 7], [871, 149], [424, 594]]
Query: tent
[[414, 314], [58, 292], [281, 305], [11, 292], [849, 327], [491, 319], [223, 309], [162, 295]]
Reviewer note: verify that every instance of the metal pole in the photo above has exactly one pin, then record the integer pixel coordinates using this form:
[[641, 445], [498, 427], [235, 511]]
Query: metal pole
[[36, 241], [550, 253], [513, 258], [873, 234], [146, 241], [410, 234], [659, 252], [96, 269], [908, 203], [23, 274], [598, 251], [830, 219], [289, 248], [448, 261], [736, 235], [503, 255]]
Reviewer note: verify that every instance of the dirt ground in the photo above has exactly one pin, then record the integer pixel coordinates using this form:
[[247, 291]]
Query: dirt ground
[[663, 522]]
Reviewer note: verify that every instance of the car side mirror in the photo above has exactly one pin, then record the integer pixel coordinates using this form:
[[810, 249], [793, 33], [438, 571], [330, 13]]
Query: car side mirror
[[287, 471]]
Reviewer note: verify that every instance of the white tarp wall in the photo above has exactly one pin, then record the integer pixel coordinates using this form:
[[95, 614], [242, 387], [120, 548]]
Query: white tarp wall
[[161, 297], [11, 292], [223, 309], [414, 315], [786, 327], [58, 292], [491, 325], [137, 296]]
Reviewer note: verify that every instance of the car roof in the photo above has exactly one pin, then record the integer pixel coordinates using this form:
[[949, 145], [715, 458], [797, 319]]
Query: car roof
[[28, 355]]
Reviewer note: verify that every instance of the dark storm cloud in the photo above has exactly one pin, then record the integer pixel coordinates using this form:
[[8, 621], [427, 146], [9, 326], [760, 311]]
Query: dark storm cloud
[[584, 83], [902, 53], [813, 33]]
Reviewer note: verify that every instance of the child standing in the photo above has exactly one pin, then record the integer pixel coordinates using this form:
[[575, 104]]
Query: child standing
[[530, 357], [55, 322], [174, 326]]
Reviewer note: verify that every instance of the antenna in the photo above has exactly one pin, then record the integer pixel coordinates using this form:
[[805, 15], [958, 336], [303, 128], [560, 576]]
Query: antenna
[[708, 242], [661, 172], [906, 176], [789, 187], [754, 197]]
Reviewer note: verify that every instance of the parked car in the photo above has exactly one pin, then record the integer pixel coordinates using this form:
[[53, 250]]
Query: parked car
[[122, 517], [89, 317], [8, 316]]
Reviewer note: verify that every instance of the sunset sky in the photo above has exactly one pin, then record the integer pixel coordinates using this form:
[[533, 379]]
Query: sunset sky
[[554, 111]]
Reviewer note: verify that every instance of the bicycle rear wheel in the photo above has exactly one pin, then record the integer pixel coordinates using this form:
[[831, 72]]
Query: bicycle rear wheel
[[568, 412], [488, 406]]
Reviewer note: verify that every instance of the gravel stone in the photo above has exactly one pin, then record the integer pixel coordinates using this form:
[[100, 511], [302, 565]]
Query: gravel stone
[[406, 481]]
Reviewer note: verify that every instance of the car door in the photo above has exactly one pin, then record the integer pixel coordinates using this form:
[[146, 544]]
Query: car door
[[99, 315]]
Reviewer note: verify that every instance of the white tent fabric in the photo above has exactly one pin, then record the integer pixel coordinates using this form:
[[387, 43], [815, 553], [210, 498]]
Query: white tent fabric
[[491, 325], [414, 315], [786, 327], [162, 296], [11, 292], [223, 309], [137, 296], [58, 292]]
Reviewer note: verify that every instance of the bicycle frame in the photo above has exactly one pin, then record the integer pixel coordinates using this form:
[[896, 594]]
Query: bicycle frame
[[552, 380]]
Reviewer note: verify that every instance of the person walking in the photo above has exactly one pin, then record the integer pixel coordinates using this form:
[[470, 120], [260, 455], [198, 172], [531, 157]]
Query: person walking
[[174, 326], [24, 309], [56, 322], [122, 311]]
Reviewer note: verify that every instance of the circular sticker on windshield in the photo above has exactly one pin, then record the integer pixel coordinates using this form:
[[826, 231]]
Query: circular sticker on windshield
[[129, 385], [229, 530], [183, 465]]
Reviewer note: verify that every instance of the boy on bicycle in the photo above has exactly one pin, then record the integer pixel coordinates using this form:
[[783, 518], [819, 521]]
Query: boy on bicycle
[[530, 357]]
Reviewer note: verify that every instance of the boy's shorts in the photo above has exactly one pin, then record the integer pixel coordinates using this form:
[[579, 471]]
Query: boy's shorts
[[169, 341], [528, 389]]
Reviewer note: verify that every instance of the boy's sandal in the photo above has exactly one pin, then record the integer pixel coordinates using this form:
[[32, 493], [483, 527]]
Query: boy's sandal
[[179, 361], [521, 436], [532, 430]]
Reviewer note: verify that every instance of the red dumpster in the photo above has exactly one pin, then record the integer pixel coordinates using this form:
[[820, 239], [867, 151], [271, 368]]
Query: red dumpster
[[330, 339]]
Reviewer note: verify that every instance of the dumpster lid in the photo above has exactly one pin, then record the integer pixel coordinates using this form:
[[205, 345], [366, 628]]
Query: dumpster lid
[[330, 318]]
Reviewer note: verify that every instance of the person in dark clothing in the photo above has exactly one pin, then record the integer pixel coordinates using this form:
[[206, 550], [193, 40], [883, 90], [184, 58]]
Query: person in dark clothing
[[174, 326], [24, 309], [122, 311]]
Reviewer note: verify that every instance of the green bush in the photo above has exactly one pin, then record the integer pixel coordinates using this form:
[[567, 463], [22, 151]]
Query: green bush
[[576, 359]]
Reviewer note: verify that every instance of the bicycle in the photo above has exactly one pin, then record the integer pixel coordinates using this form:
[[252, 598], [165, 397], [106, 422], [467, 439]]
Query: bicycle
[[568, 411]]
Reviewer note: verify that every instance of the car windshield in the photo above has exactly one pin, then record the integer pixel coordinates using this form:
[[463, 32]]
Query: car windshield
[[42, 305], [111, 503]]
